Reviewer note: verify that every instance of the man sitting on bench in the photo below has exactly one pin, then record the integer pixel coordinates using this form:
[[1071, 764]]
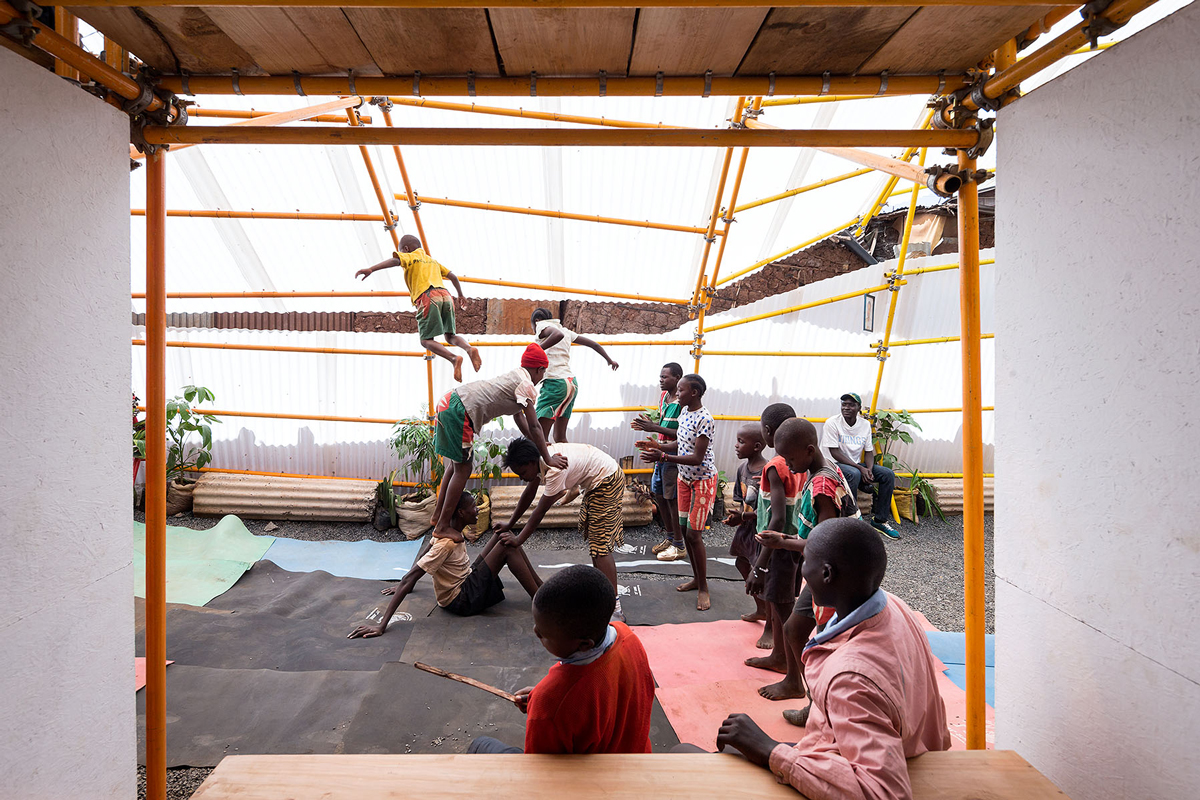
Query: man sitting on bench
[[846, 438], [871, 677]]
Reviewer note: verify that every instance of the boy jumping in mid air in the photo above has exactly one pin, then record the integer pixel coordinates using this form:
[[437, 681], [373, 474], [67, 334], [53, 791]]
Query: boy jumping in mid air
[[823, 496], [556, 396], [468, 408], [692, 451], [744, 548], [435, 311], [590, 470], [462, 588], [874, 684], [597, 698]]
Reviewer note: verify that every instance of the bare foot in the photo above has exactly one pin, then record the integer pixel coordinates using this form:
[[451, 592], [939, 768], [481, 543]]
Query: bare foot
[[755, 617], [772, 663], [389, 590], [784, 690], [702, 601], [458, 362], [690, 586], [766, 641], [476, 361]]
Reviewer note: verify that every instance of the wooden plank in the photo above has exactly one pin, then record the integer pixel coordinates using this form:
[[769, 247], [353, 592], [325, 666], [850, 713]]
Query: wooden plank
[[689, 41], [127, 29], [272, 39], [434, 41], [199, 42], [335, 39], [951, 38], [808, 41], [960, 775], [564, 41]]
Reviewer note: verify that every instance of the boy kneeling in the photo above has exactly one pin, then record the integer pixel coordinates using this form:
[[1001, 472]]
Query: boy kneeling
[[598, 697], [461, 587]]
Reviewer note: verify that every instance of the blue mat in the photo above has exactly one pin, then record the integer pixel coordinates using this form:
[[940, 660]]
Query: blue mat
[[951, 648], [366, 559]]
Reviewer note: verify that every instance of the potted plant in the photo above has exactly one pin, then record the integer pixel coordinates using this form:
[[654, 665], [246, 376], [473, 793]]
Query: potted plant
[[889, 428], [183, 454], [412, 440], [386, 504], [488, 458]]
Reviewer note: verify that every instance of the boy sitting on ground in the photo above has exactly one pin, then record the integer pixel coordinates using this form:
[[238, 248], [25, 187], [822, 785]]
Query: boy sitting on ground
[[435, 311], [556, 395], [590, 470], [875, 700], [744, 549], [598, 696], [461, 587]]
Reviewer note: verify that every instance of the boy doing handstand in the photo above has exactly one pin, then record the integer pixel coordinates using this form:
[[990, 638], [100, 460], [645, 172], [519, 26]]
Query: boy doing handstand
[[462, 588], [692, 451], [597, 698], [556, 395], [748, 447], [435, 311], [464, 411]]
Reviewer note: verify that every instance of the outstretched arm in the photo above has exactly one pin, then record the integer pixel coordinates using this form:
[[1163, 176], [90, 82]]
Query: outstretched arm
[[550, 338], [385, 264], [531, 524], [586, 342], [522, 503], [405, 586], [462, 300], [538, 438]]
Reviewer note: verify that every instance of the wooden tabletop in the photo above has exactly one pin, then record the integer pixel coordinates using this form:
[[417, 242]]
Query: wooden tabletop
[[991, 774]]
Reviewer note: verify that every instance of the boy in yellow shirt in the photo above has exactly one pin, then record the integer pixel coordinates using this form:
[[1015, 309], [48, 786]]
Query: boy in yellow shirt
[[435, 311]]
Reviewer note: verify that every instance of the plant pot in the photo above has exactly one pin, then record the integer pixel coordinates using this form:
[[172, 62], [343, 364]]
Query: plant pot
[[382, 521], [472, 532], [413, 515], [905, 503], [179, 497]]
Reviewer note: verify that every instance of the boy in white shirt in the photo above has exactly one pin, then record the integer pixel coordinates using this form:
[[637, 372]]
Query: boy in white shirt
[[845, 439], [558, 390]]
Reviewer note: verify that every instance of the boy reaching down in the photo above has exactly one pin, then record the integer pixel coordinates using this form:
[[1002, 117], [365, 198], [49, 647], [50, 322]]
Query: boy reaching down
[[597, 698], [748, 447], [556, 396], [875, 700], [435, 311], [462, 588]]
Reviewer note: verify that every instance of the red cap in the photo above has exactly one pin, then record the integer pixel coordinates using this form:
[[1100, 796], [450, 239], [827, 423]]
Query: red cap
[[534, 357]]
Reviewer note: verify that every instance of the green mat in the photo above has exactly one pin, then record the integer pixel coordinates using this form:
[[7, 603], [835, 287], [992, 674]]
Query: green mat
[[201, 564]]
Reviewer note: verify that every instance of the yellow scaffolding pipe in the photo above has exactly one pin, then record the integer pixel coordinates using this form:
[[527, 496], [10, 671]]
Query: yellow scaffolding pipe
[[370, 420], [710, 231], [410, 196], [792, 309], [787, 252], [728, 219], [249, 295], [972, 425], [942, 268], [895, 293], [802, 189], [891, 183], [539, 212], [604, 343], [275, 348], [937, 340], [199, 213], [568, 290], [421, 102], [474, 476], [892, 166], [390, 225], [797, 354], [803, 101]]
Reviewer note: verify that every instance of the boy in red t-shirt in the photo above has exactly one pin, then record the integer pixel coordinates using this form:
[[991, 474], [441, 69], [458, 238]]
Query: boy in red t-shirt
[[598, 696]]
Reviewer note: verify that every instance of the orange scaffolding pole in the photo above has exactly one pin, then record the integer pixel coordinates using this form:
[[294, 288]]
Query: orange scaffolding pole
[[603, 343], [249, 295], [539, 212], [421, 102], [156, 479], [390, 225], [485, 281], [215, 412], [803, 101], [474, 476], [728, 218], [277, 348], [972, 444], [199, 213], [792, 353], [803, 189], [233, 113], [568, 290], [413, 205]]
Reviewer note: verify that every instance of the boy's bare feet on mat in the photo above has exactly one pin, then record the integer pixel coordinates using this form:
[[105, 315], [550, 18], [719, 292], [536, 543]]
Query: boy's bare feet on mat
[[766, 641], [755, 617], [476, 361], [689, 586], [702, 601], [797, 716], [784, 690], [458, 362], [768, 662]]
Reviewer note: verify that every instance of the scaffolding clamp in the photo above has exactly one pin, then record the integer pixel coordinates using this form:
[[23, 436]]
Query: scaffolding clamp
[[395, 220], [881, 352], [1097, 25], [697, 345], [383, 101], [894, 281], [139, 117], [22, 27]]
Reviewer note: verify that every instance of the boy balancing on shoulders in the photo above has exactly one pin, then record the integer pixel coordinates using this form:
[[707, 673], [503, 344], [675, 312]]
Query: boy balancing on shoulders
[[875, 700], [556, 396], [589, 470], [597, 698], [435, 311], [468, 408], [462, 588]]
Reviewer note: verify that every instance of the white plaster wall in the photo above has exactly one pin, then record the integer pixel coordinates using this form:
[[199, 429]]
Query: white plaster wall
[[67, 728], [1097, 541]]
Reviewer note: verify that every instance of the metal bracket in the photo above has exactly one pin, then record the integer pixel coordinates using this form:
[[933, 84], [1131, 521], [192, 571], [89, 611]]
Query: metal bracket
[[471, 83], [894, 281], [941, 82], [350, 80], [1097, 25], [22, 27], [711, 239], [824, 84], [603, 83], [658, 84], [770, 84], [987, 133], [415, 206], [707, 83], [881, 352], [184, 77], [235, 80], [883, 83], [395, 221], [533, 84], [383, 102], [296, 83]]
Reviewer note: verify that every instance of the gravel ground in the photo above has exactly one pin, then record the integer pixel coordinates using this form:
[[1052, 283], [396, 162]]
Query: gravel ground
[[924, 568]]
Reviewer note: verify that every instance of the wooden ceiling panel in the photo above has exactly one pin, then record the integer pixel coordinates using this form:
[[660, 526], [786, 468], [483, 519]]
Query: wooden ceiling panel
[[808, 41], [127, 29], [451, 41], [952, 38], [564, 41], [335, 39], [199, 42], [690, 41], [272, 39]]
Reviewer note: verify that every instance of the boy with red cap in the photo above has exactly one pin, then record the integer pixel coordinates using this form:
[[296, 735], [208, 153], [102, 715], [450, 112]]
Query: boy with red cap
[[468, 408]]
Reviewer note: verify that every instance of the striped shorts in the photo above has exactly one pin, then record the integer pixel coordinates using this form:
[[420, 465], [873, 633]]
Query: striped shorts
[[696, 500], [600, 516]]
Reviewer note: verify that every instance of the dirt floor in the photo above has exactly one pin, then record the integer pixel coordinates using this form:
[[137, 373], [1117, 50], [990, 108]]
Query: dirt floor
[[925, 569]]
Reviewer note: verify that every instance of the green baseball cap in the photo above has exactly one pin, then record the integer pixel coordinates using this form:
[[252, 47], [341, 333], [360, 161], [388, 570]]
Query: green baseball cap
[[853, 396]]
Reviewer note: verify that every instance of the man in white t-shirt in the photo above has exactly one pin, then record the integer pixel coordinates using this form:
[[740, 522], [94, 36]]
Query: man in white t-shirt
[[846, 439], [589, 470]]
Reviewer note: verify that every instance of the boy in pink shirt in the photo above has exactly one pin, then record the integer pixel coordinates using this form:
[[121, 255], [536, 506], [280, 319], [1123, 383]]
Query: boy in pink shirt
[[871, 675]]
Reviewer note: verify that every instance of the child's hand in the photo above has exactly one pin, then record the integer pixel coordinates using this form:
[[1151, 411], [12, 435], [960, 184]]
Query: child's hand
[[365, 632], [647, 444], [756, 581], [363, 273], [522, 701], [557, 462], [614, 365], [732, 519], [651, 456], [771, 539], [749, 516], [508, 540], [452, 535], [641, 422], [462, 303], [501, 527]]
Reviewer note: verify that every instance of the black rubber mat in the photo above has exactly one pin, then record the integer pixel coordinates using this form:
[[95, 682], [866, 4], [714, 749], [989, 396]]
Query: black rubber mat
[[502, 636], [655, 602], [212, 713], [639, 560]]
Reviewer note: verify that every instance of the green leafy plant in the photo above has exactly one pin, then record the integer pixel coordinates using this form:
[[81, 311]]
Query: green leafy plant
[[488, 459], [889, 428], [412, 439], [923, 489], [183, 454], [385, 495]]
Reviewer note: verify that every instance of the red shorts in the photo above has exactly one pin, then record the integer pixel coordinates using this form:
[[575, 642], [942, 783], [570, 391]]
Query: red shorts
[[696, 500]]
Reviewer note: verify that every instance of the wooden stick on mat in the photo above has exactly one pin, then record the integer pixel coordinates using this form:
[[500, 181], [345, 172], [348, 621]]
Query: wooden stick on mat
[[512, 698]]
